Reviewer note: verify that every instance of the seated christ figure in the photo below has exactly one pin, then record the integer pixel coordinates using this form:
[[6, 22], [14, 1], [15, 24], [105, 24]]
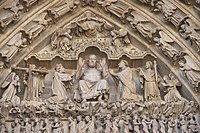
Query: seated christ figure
[[90, 74]]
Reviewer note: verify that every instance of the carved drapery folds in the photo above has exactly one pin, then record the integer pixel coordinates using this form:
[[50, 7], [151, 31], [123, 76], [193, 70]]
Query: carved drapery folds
[[85, 31], [99, 66]]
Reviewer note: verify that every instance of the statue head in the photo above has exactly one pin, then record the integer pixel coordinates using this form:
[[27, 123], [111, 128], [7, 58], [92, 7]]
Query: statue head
[[59, 68], [166, 78], [123, 63], [92, 61], [87, 118], [149, 64], [108, 116], [16, 120]]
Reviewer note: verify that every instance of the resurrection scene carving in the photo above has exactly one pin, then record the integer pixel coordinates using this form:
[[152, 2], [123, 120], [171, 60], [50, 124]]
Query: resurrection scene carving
[[99, 66]]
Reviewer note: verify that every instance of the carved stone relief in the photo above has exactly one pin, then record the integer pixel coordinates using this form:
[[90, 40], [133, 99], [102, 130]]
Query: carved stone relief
[[94, 75]]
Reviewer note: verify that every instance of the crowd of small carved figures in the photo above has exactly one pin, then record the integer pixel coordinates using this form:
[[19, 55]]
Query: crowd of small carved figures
[[106, 118]]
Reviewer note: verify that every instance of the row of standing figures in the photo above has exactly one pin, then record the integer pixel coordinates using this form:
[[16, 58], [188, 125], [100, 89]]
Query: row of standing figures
[[93, 80]]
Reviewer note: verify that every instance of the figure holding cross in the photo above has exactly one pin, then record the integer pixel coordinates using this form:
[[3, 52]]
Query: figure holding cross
[[33, 81]]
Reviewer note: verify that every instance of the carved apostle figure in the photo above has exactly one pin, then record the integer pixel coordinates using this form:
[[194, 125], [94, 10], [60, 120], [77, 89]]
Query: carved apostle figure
[[60, 81], [126, 84], [13, 46], [91, 75], [149, 80], [172, 93], [13, 85]]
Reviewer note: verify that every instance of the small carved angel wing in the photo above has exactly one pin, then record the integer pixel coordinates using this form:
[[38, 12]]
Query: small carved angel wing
[[165, 37], [13, 40], [8, 79], [190, 62]]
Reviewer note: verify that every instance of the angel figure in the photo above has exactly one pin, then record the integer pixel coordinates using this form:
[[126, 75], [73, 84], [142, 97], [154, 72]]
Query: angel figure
[[164, 44], [112, 6], [173, 94], [168, 10], [141, 24], [191, 71], [188, 30], [60, 41], [40, 23], [61, 8], [13, 46], [13, 11], [119, 40], [12, 86]]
